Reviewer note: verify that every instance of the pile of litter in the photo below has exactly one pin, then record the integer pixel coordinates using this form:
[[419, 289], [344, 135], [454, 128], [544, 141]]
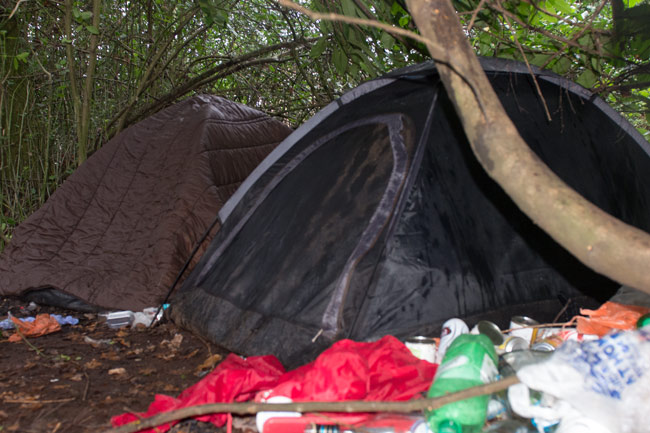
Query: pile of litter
[[570, 375]]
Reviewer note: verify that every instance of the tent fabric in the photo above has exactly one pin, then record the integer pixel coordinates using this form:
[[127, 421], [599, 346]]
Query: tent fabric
[[119, 229], [374, 218]]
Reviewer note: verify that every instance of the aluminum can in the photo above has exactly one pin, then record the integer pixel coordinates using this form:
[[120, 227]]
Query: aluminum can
[[522, 326], [422, 347], [490, 329], [512, 344], [548, 344], [451, 329]]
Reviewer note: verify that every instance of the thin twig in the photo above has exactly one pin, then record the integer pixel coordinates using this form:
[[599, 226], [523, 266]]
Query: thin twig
[[15, 8], [557, 317], [303, 407], [352, 20], [86, 388], [579, 34], [542, 31], [25, 401], [39, 352], [437, 54], [543, 325], [530, 70], [474, 15]]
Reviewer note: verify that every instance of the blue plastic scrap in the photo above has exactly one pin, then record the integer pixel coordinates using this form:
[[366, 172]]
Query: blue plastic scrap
[[7, 324]]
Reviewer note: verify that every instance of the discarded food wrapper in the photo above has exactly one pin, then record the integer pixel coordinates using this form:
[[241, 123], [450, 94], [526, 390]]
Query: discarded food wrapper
[[146, 317], [43, 324], [8, 324], [609, 316], [607, 381], [97, 343], [119, 319]]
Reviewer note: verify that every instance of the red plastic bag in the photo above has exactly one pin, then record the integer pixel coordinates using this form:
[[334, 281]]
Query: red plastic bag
[[235, 379], [382, 370], [610, 315]]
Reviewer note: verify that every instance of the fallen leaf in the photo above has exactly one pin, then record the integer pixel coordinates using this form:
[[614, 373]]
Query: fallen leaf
[[209, 363], [77, 377], [3, 414], [174, 344], [166, 356], [14, 427], [123, 332], [91, 365], [111, 356], [123, 342], [117, 371], [146, 371], [192, 354]]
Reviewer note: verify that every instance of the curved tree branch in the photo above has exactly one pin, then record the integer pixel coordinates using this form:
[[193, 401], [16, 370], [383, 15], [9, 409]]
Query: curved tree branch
[[602, 242], [318, 406]]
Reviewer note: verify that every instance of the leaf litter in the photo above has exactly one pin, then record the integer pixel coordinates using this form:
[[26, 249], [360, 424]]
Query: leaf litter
[[76, 379]]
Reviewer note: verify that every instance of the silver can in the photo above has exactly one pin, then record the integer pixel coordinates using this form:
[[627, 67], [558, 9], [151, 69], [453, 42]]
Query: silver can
[[422, 347], [548, 344], [491, 330], [512, 344], [524, 327]]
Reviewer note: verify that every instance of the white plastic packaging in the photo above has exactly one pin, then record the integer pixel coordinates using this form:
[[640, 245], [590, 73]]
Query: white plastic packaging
[[262, 417], [606, 381]]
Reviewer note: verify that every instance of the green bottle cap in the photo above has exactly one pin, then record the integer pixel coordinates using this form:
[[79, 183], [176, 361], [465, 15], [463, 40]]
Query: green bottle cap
[[643, 321], [449, 426]]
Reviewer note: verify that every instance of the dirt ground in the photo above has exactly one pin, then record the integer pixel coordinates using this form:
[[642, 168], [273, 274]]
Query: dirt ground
[[76, 379]]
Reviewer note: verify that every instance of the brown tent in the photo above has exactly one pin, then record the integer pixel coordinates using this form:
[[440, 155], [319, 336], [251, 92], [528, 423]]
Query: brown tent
[[119, 229]]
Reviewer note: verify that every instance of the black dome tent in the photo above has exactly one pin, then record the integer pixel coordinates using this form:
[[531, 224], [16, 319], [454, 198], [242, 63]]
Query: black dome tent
[[374, 218]]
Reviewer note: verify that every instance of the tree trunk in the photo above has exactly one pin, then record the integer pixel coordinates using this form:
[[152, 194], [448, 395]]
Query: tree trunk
[[84, 124], [600, 241], [72, 70]]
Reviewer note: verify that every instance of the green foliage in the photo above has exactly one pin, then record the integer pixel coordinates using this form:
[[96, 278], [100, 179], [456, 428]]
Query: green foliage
[[153, 53], [580, 40]]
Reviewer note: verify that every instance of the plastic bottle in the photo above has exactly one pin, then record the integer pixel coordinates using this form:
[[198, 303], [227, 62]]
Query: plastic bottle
[[470, 361], [643, 321]]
